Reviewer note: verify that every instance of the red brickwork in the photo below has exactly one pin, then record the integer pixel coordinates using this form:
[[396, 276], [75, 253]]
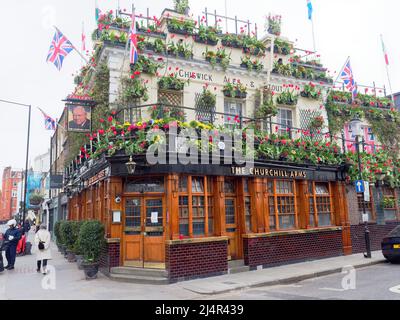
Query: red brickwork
[[109, 257], [278, 250], [377, 233], [196, 260]]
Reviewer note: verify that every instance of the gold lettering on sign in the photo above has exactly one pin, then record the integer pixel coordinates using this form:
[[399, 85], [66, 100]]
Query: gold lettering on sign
[[264, 172]]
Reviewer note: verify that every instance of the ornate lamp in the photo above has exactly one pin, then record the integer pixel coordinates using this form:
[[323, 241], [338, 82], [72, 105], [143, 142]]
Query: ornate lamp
[[356, 127], [131, 166]]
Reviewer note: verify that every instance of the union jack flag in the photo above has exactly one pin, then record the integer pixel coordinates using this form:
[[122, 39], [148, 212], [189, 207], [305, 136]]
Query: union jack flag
[[60, 47], [347, 76], [133, 54], [49, 122]]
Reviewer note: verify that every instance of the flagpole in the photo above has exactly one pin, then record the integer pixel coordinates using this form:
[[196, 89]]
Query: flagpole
[[83, 32], [313, 33], [127, 42], [387, 71]]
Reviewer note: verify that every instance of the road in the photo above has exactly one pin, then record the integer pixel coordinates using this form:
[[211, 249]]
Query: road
[[380, 282]]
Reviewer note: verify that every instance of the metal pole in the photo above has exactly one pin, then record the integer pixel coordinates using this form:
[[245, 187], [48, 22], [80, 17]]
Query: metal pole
[[313, 34], [367, 237], [26, 163]]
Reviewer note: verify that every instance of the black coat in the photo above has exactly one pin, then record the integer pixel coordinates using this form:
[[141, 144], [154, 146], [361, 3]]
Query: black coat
[[16, 233]]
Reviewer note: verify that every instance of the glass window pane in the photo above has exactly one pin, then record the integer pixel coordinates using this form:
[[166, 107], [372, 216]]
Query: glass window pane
[[183, 184], [145, 185], [230, 211], [198, 185], [286, 222], [321, 188]]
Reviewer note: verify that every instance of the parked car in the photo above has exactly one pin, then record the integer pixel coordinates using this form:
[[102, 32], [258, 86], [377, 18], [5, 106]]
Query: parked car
[[391, 246]]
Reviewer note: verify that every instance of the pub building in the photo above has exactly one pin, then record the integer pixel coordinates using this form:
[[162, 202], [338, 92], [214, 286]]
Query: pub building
[[192, 221]]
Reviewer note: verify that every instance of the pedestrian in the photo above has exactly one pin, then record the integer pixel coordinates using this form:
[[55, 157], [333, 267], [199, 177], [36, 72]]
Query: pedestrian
[[12, 235], [42, 248]]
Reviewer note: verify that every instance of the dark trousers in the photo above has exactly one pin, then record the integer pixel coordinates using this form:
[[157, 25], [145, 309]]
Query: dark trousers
[[11, 253], [39, 263]]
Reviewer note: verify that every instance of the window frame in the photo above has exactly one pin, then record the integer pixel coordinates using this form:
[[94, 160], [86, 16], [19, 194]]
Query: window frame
[[190, 194], [283, 127], [275, 196], [315, 196]]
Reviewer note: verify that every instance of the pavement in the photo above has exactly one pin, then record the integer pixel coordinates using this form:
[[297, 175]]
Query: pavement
[[281, 275], [66, 282]]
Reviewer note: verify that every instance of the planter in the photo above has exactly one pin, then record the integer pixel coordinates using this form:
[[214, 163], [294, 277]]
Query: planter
[[152, 33], [79, 261], [71, 256], [233, 44], [208, 42], [171, 29], [254, 52], [238, 94], [114, 43], [170, 87], [90, 270]]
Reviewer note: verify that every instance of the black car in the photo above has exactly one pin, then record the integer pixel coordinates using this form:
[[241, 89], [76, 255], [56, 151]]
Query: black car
[[391, 246]]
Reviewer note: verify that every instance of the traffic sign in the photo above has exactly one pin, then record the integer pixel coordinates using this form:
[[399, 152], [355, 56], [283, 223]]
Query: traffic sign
[[360, 186]]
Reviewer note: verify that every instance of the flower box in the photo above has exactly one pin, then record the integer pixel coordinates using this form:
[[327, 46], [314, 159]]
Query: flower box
[[171, 29], [233, 44], [237, 94], [207, 42], [153, 33], [114, 43], [254, 52]]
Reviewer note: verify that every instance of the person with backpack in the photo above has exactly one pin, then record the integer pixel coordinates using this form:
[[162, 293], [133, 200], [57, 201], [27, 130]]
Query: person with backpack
[[42, 248]]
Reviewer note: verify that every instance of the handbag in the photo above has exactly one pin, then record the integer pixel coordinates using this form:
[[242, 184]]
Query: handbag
[[41, 245]]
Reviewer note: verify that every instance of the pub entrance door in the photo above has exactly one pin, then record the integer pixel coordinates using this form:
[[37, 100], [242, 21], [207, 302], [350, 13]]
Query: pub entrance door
[[144, 230]]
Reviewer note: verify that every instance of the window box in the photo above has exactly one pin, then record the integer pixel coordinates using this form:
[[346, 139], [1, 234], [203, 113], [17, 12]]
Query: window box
[[232, 44], [237, 94], [208, 41]]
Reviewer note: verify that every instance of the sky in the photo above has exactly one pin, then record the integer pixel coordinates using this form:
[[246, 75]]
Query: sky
[[342, 28]]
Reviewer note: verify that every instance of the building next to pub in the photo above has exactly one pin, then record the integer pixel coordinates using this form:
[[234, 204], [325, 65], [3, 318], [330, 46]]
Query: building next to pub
[[290, 205]]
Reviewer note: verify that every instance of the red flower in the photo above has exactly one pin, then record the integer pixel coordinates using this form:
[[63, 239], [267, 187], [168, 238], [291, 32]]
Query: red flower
[[101, 120], [110, 119], [137, 73]]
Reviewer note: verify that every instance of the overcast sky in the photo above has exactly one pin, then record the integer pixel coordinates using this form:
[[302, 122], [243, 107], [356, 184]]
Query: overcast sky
[[342, 28]]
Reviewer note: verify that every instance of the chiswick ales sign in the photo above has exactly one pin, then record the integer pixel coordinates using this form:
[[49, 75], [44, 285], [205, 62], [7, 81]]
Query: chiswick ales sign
[[267, 172]]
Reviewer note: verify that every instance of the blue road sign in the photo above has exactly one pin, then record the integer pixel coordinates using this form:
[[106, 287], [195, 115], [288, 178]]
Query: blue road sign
[[360, 186]]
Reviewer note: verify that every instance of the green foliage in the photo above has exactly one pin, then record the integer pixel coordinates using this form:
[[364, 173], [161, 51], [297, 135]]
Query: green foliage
[[181, 26], [180, 49], [237, 90], [288, 97], [311, 91], [253, 46], [171, 82], [66, 234], [317, 122], [252, 65], [133, 89], [181, 6], [232, 40], [389, 203], [57, 233], [147, 65], [282, 47], [268, 107], [207, 34], [274, 24], [166, 112], [91, 240], [220, 57], [208, 99]]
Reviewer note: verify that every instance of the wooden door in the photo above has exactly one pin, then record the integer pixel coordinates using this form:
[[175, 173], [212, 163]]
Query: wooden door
[[144, 221], [154, 228], [232, 230], [133, 232]]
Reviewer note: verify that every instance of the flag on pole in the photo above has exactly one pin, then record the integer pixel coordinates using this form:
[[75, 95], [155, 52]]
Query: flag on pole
[[348, 79], [60, 47], [133, 54], [97, 12], [385, 52], [49, 122], [310, 9], [83, 38]]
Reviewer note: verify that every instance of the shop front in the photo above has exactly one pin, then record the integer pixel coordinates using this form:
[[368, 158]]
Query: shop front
[[191, 220]]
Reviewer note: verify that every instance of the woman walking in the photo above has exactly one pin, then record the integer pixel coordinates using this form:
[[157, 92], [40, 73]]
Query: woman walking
[[42, 247]]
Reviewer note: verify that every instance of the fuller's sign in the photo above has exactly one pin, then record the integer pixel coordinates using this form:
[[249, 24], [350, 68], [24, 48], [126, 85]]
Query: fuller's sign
[[267, 172]]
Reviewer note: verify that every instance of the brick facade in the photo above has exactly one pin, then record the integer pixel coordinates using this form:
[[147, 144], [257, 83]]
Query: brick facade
[[377, 233], [185, 261], [281, 249], [110, 257]]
